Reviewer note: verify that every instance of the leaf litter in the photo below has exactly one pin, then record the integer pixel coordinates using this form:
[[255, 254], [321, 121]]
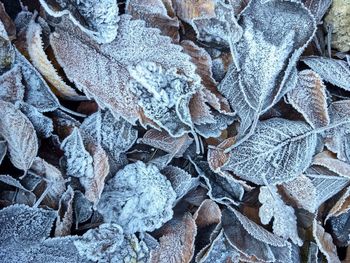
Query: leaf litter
[[174, 131]]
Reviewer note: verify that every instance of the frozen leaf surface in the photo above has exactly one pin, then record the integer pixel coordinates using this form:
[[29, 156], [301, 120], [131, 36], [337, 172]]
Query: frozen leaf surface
[[99, 19], [285, 221], [310, 88], [143, 45], [278, 151], [24, 231], [275, 34], [20, 136], [12, 89], [65, 214], [3, 150], [138, 198], [334, 71]]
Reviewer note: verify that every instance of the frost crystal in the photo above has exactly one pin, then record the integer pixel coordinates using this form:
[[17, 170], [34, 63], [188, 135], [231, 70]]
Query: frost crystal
[[164, 95], [139, 198]]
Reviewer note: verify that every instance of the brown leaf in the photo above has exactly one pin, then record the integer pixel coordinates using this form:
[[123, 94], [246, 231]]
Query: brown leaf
[[94, 186], [19, 134], [155, 14], [162, 140], [328, 160], [44, 66], [8, 23], [325, 242], [341, 206], [55, 182], [188, 10], [310, 89], [217, 156], [200, 111], [65, 214], [176, 242], [208, 213]]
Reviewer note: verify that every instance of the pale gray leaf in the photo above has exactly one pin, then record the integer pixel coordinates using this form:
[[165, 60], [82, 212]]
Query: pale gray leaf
[[138, 197], [82, 208], [332, 70], [285, 221], [3, 150], [20, 136], [99, 19], [310, 88], [78, 160], [253, 240], [318, 8], [181, 181], [12, 89], [278, 151], [275, 33], [43, 125]]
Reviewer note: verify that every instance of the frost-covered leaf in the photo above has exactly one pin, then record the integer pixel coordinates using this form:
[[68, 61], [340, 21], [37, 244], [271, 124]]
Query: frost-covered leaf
[[115, 135], [37, 92], [8, 23], [180, 180], [20, 136], [220, 250], [7, 52], [43, 65], [176, 245], [338, 139], [3, 150], [144, 46], [162, 140], [326, 183], [24, 231], [301, 192], [340, 229], [208, 213], [329, 161], [217, 156], [99, 19], [342, 206], [278, 151], [42, 124], [12, 89], [325, 242], [252, 240], [223, 188], [156, 15], [78, 160], [275, 34], [332, 70], [318, 8], [222, 29], [285, 221], [94, 185], [82, 208], [55, 182], [310, 88], [194, 9], [65, 214], [138, 197]]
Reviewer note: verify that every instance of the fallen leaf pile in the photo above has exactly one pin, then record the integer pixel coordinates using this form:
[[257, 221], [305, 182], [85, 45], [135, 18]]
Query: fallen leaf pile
[[174, 131]]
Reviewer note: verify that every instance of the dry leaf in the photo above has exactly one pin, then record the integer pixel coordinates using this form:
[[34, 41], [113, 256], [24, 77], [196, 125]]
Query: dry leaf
[[65, 214], [188, 10]]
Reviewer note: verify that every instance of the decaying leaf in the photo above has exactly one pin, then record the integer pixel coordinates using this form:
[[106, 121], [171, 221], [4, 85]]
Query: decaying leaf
[[278, 151], [252, 240], [65, 214], [162, 140], [285, 221], [342, 206], [128, 99], [138, 198], [43, 65], [325, 242], [99, 19], [217, 156], [12, 89], [176, 245], [310, 88], [328, 160], [208, 213], [188, 10], [19, 134], [82, 208], [275, 34], [334, 71]]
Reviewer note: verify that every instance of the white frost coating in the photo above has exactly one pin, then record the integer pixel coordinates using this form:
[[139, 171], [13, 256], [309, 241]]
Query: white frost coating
[[275, 34], [285, 221], [279, 150], [335, 71], [98, 19], [138, 198], [79, 161], [164, 95]]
